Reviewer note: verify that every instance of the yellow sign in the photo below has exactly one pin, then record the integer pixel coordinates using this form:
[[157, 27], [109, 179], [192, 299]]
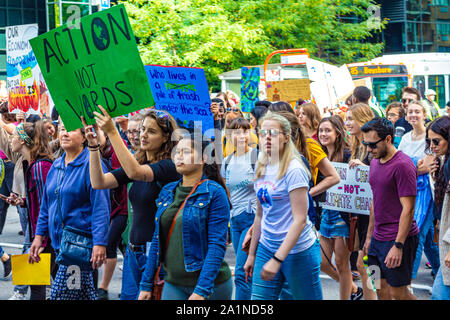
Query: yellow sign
[[25, 273], [288, 90]]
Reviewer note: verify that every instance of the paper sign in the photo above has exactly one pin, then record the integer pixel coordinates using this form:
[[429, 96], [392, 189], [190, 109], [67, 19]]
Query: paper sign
[[25, 273], [94, 63], [23, 73], [249, 88], [288, 90], [183, 92], [352, 193]]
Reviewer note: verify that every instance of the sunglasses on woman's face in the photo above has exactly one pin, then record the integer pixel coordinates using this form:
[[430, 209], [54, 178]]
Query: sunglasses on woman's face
[[435, 141], [235, 110], [371, 145], [271, 132]]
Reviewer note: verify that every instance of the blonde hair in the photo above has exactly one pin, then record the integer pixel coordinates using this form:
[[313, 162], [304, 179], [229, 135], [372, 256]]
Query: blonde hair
[[362, 114], [289, 152]]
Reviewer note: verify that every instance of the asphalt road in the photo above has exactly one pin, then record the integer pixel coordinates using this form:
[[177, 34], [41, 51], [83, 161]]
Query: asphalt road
[[12, 243]]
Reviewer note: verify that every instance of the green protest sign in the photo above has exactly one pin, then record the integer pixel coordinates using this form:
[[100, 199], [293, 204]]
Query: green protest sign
[[94, 62]]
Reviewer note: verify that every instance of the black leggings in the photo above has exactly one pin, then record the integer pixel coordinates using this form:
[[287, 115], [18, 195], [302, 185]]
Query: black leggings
[[116, 228]]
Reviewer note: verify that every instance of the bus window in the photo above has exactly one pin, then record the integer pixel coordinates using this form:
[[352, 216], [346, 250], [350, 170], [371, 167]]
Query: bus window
[[419, 84], [436, 82], [388, 89]]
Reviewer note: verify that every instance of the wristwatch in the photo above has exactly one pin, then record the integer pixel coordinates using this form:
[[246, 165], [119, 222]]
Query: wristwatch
[[398, 245]]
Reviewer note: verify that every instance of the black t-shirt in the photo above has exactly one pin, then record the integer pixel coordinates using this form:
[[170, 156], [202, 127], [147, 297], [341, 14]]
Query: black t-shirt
[[143, 197]]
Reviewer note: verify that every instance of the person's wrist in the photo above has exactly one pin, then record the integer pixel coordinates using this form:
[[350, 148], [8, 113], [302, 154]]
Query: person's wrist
[[274, 257]]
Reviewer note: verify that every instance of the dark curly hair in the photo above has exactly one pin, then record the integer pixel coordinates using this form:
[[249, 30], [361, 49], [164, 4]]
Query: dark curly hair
[[440, 126]]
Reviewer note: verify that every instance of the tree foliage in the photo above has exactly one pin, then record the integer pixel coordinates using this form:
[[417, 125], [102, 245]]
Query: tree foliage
[[221, 35]]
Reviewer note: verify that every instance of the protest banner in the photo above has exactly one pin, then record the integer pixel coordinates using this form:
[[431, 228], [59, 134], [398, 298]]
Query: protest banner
[[249, 88], [183, 92], [23, 73], [288, 90], [352, 193], [95, 63]]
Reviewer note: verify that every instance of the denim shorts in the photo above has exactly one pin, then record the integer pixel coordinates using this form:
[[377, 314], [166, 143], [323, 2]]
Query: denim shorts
[[332, 225]]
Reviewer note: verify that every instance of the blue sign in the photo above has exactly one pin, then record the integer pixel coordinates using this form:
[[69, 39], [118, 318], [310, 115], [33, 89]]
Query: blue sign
[[183, 92], [105, 4]]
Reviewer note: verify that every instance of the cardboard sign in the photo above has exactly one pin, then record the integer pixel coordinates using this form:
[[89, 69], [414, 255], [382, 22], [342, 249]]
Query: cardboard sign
[[288, 90], [25, 273], [353, 193], [249, 88], [94, 63], [183, 92], [23, 73]]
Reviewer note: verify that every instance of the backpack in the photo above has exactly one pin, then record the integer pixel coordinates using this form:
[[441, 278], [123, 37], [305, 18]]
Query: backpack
[[254, 158], [313, 214]]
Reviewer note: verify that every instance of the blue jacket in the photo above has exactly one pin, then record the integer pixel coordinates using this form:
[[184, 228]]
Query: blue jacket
[[205, 224], [82, 207]]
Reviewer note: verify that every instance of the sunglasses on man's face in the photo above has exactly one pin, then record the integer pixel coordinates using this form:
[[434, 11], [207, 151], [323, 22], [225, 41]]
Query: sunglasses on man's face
[[371, 145], [270, 132], [435, 141], [407, 100]]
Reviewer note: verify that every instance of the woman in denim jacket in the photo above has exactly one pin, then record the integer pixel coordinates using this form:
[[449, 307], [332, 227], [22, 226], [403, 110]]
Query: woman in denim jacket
[[193, 254]]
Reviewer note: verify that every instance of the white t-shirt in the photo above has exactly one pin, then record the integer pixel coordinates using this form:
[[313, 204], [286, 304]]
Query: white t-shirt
[[414, 149], [239, 177], [277, 217]]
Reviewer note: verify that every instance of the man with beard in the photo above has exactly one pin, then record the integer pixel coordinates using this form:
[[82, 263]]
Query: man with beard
[[392, 236]]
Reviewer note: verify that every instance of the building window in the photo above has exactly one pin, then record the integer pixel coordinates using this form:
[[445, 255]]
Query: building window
[[436, 82], [16, 12]]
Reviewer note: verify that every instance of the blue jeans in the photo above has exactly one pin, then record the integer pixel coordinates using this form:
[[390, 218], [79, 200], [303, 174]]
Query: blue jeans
[[23, 218], [223, 291], [133, 267], [427, 245], [440, 291], [239, 227], [301, 272], [1, 252]]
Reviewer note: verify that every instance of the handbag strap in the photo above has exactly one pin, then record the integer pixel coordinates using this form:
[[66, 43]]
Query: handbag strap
[[173, 227]]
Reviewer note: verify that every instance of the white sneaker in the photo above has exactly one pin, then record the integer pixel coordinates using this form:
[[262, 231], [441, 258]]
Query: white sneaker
[[121, 267], [18, 296]]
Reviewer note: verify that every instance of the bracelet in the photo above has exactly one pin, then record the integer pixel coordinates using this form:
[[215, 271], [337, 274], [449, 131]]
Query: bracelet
[[94, 148], [276, 259]]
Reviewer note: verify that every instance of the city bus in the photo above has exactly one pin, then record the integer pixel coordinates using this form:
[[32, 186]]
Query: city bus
[[388, 74]]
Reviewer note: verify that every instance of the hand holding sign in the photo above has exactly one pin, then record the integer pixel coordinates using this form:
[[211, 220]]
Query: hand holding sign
[[104, 121], [91, 134]]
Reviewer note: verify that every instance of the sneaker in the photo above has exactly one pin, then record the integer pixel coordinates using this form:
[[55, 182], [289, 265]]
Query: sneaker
[[357, 295], [7, 268], [121, 267], [410, 289], [102, 294], [428, 265], [18, 296], [20, 233]]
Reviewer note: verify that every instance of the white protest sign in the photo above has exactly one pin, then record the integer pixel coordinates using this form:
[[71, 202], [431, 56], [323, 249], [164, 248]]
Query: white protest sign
[[352, 193]]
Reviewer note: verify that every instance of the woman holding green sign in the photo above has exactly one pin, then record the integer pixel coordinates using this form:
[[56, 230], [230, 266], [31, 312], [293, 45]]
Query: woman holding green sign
[[149, 170]]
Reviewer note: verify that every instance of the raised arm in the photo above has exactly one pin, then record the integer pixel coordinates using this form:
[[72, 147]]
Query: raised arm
[[133, 169], [99, 180]]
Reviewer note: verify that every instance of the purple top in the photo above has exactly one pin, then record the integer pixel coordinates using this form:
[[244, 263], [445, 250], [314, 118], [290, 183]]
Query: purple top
[[35, 177], [390, 181]]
